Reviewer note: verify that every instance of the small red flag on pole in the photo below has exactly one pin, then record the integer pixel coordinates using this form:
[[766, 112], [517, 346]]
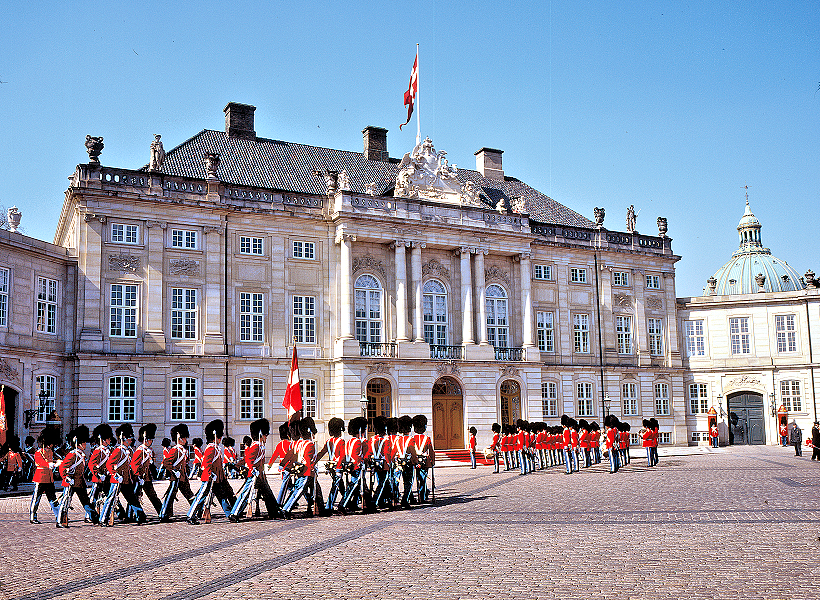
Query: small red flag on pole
[[293, 394], [4, 426], [412, 90]]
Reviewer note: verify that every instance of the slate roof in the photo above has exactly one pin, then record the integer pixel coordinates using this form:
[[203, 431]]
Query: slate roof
[[289, 167]]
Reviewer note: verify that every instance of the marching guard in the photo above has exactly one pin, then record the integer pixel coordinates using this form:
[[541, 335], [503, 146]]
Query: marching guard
[[303, 469], [118, 469], [175, 464], [334, 449], [256, 479], [44, 475], [380, 457], [425, 458], [141, 466], [72, 470], [214, 481]]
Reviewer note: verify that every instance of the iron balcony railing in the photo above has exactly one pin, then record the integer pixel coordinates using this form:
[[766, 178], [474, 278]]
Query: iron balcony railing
[[512, 354], [377, 349], [446, 352]]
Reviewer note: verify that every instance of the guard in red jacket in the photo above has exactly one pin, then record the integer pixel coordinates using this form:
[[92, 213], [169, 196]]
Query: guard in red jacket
[[566, 443], [43, 475], [119, 473], [425, 458], [214, 481], [495, 446], [256, 479], [305, 482], [284, 455], [405, 458], [142, 466], [72, 470], [96, 464], [175, 464], [354, 464], [334, 449], [612, 442]]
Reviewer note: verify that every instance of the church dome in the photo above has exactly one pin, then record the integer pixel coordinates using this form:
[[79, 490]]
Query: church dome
[[752, 268]]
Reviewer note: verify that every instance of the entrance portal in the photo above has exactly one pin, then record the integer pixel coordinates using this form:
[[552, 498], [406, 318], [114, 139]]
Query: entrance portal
[[448, 414], [379, 398], [746, 419], [510, 402]]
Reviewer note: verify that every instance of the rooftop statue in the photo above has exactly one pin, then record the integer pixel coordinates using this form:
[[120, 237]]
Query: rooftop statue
[[157, 153], [425, 173]]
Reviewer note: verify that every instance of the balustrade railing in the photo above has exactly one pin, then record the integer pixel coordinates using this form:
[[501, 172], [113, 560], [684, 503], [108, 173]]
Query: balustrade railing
[[447, 352], [377, 349], [511, 354]]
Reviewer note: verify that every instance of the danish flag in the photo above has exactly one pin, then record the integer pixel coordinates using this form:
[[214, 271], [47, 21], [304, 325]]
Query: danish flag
[[3, 424], [293, 394], [413, 88]]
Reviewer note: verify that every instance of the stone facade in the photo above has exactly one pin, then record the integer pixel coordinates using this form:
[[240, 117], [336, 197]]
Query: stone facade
[[190, 293]]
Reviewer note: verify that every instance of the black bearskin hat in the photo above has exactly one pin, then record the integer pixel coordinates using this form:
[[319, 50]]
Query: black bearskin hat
[[247, 441], [380, 425], [496, 428], [166, 442], [654, 423], [473, 430], [293, 429], [103, 432], [306, 427], [197, 442], [420, 423], [228, 442], [392, 426], [646, 423], [353, 426], [565, 420], [50, 436], [405, 424], [213, 430], [594, 426], [284, 431], [125, 431], [260, 427], [148, 431], [335, 427], [79, 435], [178, 431]]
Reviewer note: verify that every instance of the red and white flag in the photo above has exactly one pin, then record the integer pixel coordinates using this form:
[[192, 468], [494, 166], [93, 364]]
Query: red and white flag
[[293, 394], [4, 426], [412, 90]]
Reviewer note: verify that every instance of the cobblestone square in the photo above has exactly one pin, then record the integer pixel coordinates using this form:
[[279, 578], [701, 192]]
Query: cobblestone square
[[737, 523]]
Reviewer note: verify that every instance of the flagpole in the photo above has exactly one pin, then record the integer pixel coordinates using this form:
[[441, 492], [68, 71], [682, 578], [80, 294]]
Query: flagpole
[[418, 119]]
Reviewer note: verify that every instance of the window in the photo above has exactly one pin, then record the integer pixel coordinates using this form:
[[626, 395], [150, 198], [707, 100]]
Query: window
[[584, 391], [786, 333], [543, 272], [497, 324], [653, 282], [662, 399], [545, 331], [251, 316], [698, 398], [700, 436], [581, 331], [304, 319], [620, 278], [739, 334], [664, 437], [549, 399], [655, 329], [124, 234], [250, 245], [623, 329], [122, 399], [308, 387], [252, 398], [510, 401], [304, 249], [790, 395], [368, 297], [694, 337], [46, 305], [434, 303], [182, 238], [577, 275], [183, 314], [123, 311], [183, 399], [634, 439], [379, 395], [48, 384], [4, 297], [629, 397]]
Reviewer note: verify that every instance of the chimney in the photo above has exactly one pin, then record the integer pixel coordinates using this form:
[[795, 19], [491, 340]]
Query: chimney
[[375, 143], [239, 121], [488, 163]]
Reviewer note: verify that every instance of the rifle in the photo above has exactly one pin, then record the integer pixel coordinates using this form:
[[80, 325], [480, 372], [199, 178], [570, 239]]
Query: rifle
[[252, 498], [116, 493], [433, 484], [206, 515]]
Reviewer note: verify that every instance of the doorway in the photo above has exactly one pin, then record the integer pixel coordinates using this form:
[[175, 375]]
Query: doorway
[[448, 414], [10, 401], [379, 398], [746, 419], [510, 402]]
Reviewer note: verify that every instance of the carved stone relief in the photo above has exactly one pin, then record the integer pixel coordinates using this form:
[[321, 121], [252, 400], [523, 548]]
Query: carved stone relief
[[509, 371], [435, 269], [380, 368], [654, 303], [184, 266], [369, 263], [123, 367], [447, 369], [496, 272], [186, 367], [623, 302], [6, 370], [744, 381], [125, 263]]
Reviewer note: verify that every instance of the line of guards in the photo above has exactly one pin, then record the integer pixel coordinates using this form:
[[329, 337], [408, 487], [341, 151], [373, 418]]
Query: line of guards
[[367, 473]]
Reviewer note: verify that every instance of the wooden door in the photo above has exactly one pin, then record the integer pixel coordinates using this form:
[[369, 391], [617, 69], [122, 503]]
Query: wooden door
[[448, 415]]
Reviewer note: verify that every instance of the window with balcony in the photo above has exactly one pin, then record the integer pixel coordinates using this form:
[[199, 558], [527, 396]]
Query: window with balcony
[[434, 303], [497, 323], [368, 300]]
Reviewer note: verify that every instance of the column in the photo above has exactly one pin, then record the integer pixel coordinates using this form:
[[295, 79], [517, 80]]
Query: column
[[415, 267], [466, 297], [345, 241], [401, 290], [214, 338], [640, 341], [526, 300], [481, 288], [154, 337]]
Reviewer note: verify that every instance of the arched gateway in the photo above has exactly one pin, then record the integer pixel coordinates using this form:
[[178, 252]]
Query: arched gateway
[[746, 418], [448, 414]]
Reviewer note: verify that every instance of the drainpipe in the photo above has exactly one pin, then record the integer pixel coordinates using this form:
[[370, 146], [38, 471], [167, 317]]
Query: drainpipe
[[225, 320]]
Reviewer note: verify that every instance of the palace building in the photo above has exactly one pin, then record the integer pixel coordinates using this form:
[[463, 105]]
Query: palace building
[[175, 292]]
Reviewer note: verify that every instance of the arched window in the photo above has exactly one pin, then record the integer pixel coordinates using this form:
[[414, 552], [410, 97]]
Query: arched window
[[510, 401], [435, 313], [368, 293], [378, 398], [497, 323]]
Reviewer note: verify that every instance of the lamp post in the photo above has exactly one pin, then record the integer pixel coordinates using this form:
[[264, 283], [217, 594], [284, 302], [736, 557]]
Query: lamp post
[[606, 404], [772, 399], [363, 401]]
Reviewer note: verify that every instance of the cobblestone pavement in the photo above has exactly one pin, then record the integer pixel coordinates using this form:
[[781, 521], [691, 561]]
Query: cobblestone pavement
[[742, 523]]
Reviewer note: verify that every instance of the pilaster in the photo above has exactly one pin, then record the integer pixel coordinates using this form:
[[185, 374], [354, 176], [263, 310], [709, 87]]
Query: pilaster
[[214, 338], [154, 336]]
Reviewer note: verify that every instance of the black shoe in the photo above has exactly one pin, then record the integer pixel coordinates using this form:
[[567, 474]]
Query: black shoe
[[165, 519], [193, 521], [34, 521], [233, 518], [61, 526], [309, 512]]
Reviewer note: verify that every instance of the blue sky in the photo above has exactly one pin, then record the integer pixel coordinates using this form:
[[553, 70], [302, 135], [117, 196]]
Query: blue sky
[[670, 106]]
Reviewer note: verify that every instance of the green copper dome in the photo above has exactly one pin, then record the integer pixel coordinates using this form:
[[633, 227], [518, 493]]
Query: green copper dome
[[752, 268]]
